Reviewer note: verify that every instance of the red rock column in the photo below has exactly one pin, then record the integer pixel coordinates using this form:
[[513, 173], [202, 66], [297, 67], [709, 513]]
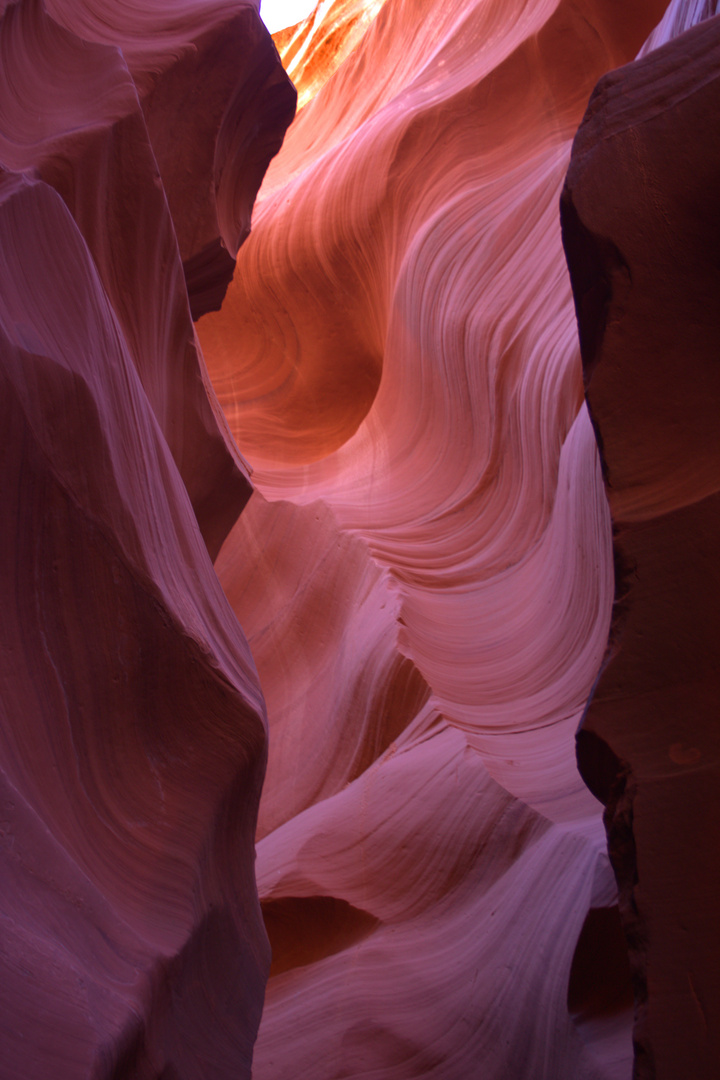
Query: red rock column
[[641, 223], [132, 724]]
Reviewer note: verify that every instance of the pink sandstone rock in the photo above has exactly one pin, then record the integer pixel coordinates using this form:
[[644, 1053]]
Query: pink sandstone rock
[[132, 728], [93, 146], [424, 574], [398, 359]]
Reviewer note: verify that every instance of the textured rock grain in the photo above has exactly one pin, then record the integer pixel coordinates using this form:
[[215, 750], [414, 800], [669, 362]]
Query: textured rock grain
[[642, 232], [397, 357], [71, 111], [132, 725], [425, 575]]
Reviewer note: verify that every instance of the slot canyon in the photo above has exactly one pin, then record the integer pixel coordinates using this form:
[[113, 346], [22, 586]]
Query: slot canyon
[[360, 577]]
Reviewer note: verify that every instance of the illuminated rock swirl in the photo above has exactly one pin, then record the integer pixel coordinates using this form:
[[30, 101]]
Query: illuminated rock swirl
[[429, 592], [324, 541]]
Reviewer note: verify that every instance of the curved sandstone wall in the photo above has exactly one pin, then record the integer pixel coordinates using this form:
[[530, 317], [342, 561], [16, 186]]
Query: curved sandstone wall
[[132, 724], [437, 570]]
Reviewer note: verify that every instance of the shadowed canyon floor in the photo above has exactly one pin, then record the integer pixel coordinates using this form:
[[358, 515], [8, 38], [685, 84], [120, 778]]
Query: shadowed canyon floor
[[380, 767]]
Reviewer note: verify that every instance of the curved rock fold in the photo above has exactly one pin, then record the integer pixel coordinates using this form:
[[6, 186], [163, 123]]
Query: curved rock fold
[[483, 534], [133, 727]]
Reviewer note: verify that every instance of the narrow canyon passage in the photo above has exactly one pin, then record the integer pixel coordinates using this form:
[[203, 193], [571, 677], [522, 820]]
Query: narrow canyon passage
[[425, 571], [326, 512]]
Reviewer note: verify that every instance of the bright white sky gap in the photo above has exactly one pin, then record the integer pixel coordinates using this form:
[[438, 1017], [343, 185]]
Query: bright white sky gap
[[277, 14]]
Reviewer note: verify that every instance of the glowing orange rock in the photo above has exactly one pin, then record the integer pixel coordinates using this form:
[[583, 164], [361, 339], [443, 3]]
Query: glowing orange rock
[[427, 579]]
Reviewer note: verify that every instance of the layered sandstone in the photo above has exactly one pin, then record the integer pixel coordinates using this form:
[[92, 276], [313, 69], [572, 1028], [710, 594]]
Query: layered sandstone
[[132, 735], [425, 574], [642, 230]]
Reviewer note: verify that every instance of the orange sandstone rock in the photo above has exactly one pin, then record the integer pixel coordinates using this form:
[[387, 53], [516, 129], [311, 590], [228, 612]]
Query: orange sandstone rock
[[425, 573]]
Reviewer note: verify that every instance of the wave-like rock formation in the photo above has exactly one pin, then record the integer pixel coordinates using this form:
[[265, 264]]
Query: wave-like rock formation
[[642, 232], [132, 730], [426, 574]]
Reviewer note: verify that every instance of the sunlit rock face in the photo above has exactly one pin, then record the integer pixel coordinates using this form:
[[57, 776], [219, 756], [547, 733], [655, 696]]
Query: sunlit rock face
[[642, 232], [425, 572], [132, 730]]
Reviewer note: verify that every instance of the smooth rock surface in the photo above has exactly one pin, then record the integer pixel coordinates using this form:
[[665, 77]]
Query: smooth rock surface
[[425, 573], [642, 232], [71, 111], [132, 724]]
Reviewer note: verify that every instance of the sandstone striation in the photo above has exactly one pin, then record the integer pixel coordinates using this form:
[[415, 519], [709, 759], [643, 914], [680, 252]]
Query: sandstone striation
[[91, 144], [641, 230], [132, 727], [425, 574]]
